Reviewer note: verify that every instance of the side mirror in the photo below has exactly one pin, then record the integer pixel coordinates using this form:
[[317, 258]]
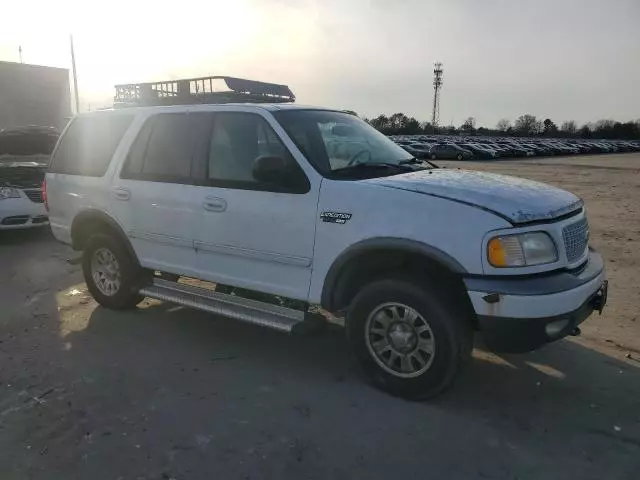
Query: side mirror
[[271, 170]]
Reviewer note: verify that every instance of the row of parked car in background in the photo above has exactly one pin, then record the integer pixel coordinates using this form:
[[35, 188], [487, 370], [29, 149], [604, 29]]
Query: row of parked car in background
[[467, 148]]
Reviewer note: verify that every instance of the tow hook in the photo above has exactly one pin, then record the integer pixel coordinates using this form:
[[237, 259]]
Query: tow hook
[[600, 298], [491, 298]]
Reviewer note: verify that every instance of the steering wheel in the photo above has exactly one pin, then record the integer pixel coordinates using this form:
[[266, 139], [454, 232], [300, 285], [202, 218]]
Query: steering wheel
[[352, 160]]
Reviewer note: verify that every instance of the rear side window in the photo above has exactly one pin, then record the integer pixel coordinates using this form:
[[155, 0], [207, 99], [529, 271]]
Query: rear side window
[[164, 149], [89, 143]]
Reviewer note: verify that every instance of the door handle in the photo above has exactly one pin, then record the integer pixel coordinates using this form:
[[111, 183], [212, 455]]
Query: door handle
[[214, 204], [122, 194]]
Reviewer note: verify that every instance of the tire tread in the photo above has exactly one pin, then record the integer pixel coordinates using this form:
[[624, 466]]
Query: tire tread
[[452, 320]]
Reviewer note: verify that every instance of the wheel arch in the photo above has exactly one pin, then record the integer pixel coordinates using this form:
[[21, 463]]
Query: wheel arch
[[371, 258], [92, 221]]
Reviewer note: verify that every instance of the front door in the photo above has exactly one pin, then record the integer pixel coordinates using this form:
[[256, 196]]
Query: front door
[[254, 235]]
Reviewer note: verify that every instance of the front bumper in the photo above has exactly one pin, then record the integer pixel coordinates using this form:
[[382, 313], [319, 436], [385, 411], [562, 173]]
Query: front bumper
[[521, 314], [18, 213]]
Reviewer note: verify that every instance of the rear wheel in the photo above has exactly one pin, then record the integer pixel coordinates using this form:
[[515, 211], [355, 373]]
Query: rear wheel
[[111, 274], [433, 156], [410, 340]]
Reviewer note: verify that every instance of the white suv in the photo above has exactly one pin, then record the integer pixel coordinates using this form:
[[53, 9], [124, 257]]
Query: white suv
[[316, 206]]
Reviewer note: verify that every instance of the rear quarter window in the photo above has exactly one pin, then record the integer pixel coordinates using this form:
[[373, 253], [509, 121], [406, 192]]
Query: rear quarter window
[[88, 144]]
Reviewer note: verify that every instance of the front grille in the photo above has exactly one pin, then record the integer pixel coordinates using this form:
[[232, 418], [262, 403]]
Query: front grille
[[35, 195], [576, 239]]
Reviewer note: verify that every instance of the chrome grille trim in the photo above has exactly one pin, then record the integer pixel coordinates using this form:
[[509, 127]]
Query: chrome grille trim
[[576, 239]]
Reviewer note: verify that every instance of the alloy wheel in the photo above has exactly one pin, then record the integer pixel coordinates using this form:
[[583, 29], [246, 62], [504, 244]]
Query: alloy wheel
[[400, 340], [105, 271]]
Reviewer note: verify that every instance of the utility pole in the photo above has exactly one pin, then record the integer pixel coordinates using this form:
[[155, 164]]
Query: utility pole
[[75, 76], [437, 85], [20, 53]]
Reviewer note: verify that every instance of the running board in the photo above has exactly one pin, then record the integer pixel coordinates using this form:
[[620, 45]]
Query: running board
[[238, 308]]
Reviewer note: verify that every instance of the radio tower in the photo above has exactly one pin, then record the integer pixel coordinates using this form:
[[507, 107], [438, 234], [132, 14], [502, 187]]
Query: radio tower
[[437, 85]]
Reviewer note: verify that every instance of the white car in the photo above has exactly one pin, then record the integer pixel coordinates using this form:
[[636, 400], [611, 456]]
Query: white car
[[24, 158], [247, 196], [21, 202]]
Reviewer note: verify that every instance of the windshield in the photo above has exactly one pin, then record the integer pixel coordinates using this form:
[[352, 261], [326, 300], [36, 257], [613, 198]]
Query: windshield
[[334, 140]]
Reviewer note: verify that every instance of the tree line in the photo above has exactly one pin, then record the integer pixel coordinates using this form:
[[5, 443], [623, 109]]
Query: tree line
[[524, 126]]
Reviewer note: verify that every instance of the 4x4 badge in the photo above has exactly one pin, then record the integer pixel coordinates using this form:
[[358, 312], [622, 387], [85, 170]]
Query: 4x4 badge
[[335, 217]]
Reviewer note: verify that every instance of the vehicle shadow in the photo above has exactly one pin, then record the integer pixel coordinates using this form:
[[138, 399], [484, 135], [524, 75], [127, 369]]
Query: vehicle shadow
[[27, 235], [517, 377], [170, 389], [564, 393]]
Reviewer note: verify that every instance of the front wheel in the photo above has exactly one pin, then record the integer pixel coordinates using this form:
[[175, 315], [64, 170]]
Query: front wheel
[[110, 272], [410, 340], [459, 156]]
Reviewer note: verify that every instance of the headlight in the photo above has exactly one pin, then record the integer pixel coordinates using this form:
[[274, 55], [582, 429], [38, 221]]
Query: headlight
[[9, 192], [523, 250]]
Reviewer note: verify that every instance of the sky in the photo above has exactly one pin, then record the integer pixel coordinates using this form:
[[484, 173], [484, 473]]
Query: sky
[[559, 59]]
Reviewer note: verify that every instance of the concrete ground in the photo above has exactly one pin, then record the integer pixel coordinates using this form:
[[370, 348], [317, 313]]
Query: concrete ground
[[170, 393]]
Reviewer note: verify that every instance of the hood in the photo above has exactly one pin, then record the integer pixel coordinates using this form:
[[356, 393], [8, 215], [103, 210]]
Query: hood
[[37, 160], [29, 140], [515, 199]]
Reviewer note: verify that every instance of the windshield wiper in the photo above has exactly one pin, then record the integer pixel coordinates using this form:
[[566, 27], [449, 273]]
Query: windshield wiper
[[396, 166], [415, 161]]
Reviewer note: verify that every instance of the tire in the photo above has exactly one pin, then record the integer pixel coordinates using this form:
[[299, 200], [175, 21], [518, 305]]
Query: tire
[[459, 156], [448, 334], [433, 156], [121, 279]]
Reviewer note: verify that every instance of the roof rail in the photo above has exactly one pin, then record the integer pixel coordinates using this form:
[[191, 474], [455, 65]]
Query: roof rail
[[200, 90]]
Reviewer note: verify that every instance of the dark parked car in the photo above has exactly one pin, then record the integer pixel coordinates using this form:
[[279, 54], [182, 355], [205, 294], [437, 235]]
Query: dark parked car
[[520, 150], [450, 151], [418, 150], [538, 149], [480, 151], [504, 150]]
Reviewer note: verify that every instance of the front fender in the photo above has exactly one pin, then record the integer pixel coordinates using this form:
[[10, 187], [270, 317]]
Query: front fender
[[371, 245], [449, 232]]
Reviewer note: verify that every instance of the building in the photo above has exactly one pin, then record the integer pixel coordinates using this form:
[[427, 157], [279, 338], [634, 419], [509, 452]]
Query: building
[[34, 95]]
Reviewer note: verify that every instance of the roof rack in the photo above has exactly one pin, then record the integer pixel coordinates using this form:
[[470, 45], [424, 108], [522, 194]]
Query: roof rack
[[200, 90]]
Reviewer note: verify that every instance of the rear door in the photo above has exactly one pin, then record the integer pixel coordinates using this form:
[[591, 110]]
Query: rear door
[[152, 195]]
